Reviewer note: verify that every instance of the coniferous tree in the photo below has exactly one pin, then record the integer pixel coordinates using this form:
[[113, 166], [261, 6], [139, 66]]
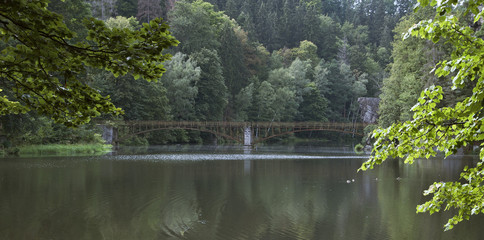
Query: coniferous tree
[[103, 9], [232, 59], [212, 93], [195, 25], [148, 10], [313, 107], [136, 97], [231, 8], [73, 12], [127, 8]]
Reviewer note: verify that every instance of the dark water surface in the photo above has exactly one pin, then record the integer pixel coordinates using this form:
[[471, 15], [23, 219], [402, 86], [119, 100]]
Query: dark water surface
[[223, 193]]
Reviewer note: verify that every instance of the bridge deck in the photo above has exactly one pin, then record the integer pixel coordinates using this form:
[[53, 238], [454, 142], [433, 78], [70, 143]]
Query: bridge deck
[[238, 131], [328, 125]]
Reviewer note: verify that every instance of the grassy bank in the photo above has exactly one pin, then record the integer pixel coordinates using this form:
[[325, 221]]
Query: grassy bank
[[63, 149]]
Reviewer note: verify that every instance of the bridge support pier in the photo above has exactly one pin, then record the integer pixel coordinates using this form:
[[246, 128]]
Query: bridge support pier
[[109, 134], [247, 136]]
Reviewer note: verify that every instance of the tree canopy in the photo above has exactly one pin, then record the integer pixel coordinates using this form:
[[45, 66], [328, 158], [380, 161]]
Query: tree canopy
[[437, 127], [265, 60], [43, 68]]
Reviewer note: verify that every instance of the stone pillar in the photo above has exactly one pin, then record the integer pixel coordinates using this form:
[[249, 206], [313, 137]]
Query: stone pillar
[[369, 109], [108, 134], [248, 136]]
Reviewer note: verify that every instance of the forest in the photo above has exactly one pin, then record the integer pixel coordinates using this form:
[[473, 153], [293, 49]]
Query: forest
[[255, 60]]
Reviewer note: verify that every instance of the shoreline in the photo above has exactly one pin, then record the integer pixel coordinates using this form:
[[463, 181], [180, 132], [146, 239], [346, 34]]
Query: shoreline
[[58, 150]]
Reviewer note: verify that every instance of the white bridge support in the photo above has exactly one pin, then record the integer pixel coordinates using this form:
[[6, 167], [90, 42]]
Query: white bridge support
[[247, 136], [109, 133]]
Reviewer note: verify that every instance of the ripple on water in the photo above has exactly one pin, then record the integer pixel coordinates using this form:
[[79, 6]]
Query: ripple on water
[[179, 214], [211, 157], [242, 233]]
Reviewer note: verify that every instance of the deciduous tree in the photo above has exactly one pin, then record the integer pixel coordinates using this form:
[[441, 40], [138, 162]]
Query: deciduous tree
[[440, 128], [313, 107], [181, 80], [44, 71], [212, 92], [196, 25]]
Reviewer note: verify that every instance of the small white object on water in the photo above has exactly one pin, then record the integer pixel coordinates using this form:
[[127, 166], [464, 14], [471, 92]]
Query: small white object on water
[[348, 181]]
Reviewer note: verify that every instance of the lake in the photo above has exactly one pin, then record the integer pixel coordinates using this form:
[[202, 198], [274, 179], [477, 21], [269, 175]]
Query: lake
[[231, 192]]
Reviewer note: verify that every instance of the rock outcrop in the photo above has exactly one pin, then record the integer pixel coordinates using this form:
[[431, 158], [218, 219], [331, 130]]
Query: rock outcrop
[[369, 109]]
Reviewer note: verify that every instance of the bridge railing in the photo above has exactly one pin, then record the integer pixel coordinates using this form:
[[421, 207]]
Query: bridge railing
[[186, 123], [237, 130], [244, 124]]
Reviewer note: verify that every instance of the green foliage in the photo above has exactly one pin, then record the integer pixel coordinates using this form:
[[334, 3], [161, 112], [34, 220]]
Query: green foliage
[[212, 92], [321, 80], [127, 8], [369, 130], [103, 9], [301, 72], [409, 72], [230, 73], [313, 107], [341, 86], [243, 102], [136, 98], [30, 129], [359, 148], [436, 127], [135, 141], [121, 22], [292, 29], [263, 100], [65, 149], [232, 59], [288, 84], [307, 51], [44, 70], [196, 25], [256, 56], [285, 105], [180, 81], [328, 35], [73, 13], [148, 10]]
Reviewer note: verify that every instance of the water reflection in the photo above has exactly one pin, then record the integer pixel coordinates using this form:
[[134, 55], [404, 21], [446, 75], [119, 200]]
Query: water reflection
[[260, 195]]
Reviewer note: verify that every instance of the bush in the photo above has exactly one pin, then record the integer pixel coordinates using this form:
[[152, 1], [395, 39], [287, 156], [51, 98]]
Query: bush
[[65, 149]]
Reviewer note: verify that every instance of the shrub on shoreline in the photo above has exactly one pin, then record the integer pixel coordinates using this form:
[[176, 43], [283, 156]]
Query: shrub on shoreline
[[65, 149]]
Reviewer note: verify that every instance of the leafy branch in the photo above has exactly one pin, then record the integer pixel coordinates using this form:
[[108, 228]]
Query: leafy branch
[[444, 128]]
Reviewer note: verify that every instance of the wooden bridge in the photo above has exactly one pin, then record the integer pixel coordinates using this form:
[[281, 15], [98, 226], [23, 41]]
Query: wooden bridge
[[247, 133]]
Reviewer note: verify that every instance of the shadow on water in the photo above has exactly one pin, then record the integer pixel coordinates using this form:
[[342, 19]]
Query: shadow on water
[[180, 192]]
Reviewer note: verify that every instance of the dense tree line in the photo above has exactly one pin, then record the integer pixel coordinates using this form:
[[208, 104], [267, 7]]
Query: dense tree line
[[265, 60]]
